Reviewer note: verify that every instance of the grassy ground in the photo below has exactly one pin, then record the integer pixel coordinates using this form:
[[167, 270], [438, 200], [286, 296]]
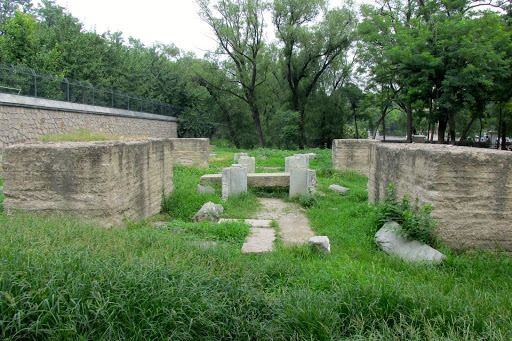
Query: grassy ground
[[64, 279]]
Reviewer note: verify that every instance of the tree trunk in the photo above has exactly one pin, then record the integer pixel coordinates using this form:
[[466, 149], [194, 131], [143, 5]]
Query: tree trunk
[[384, 129], [355, 123], [374, 134], [432, 132], [466, 130], [408, 109], [441, 130], [257, 124], [500, 122], [503, 135], [451, 123], [481, 128], [302, 141]]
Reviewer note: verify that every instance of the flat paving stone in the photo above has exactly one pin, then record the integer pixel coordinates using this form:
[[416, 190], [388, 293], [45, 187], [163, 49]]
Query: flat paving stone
[[339, 189], [293, 223], [260, 240], [252, 222]]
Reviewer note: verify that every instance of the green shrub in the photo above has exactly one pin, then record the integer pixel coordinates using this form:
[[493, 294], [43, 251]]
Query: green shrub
[[307, 200], [416, 220]]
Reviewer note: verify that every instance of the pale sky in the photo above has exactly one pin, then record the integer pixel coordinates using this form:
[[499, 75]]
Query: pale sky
[[165, 21]]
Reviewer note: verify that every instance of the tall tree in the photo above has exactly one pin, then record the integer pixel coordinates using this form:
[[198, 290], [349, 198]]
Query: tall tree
[[238, 28], [309, 46]]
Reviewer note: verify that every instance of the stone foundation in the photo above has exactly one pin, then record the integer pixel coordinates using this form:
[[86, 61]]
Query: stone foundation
[[103, 182], [352, 154], [189, 152], [469, 188]]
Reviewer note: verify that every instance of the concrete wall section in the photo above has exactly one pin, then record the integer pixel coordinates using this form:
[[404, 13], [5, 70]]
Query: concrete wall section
[[469, 188], [27, 119], [103, 182], [188, 152], [352, 154]]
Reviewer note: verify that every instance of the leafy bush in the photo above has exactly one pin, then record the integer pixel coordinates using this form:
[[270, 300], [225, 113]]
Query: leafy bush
[[307, 200], [416, 220]]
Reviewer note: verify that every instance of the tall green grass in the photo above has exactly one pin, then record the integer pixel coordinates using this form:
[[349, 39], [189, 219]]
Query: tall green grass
[[63, 279]]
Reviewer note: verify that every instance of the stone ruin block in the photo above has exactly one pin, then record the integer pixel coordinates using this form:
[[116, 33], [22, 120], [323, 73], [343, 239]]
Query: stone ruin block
[[419, 138], [470, 189], [238, 155], [302, 181], [352, 154], [248, 162], [192, 151], [234, 181], [104, 182], [298, 160]]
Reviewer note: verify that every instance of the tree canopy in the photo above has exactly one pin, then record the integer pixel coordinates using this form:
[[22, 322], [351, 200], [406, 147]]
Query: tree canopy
[[297, 73]]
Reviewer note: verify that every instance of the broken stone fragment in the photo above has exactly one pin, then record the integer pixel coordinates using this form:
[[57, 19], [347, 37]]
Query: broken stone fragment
[[339, 189], [205, 189], [394, 242], [320, 244], [209, 212]]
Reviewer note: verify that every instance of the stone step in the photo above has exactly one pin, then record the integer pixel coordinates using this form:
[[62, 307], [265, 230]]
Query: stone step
[[260, 240], [261, 180]]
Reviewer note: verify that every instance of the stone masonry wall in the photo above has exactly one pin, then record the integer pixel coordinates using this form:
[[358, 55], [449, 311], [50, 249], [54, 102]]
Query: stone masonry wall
[[352, 154], [103, 182], [469, 188], [189, 151], [26, 119]]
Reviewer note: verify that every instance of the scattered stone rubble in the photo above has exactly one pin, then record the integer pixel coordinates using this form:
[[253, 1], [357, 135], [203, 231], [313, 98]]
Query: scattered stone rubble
[[394, 242], [209, 212]]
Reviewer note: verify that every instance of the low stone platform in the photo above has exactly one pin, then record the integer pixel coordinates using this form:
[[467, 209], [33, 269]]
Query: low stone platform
[[261, 180]]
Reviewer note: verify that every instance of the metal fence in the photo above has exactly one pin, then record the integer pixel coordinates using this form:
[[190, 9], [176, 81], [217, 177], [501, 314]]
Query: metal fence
[[28, 82]]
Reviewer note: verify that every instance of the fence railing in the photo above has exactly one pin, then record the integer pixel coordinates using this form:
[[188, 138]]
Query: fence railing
[[20, 80]]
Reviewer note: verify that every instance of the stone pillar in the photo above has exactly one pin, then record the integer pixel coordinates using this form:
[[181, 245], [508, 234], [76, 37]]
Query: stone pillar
[[302, 181], [237, 156], [234, 181], [248, 162], [298, 160]]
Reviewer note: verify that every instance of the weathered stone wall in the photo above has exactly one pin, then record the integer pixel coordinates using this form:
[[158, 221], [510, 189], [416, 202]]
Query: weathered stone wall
[[188, 152], [469, 188], [103, 182], [352, 154], [27, 119]]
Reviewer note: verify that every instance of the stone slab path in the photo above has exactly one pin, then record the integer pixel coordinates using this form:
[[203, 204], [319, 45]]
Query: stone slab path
[[261, 237], [294, 226]]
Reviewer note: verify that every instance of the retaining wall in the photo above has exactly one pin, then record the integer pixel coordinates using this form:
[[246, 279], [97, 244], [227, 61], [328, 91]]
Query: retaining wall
[[103, 182], [352, 154], [469, 188], [192, 152], [27, 119]]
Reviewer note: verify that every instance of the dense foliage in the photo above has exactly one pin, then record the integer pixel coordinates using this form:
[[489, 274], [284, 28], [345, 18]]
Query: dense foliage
[[331, 72]]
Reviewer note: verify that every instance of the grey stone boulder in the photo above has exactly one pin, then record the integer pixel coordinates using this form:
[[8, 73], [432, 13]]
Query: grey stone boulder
[[205, 189], [396, 243], [320, 244], [339, 189], [209, 212]]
